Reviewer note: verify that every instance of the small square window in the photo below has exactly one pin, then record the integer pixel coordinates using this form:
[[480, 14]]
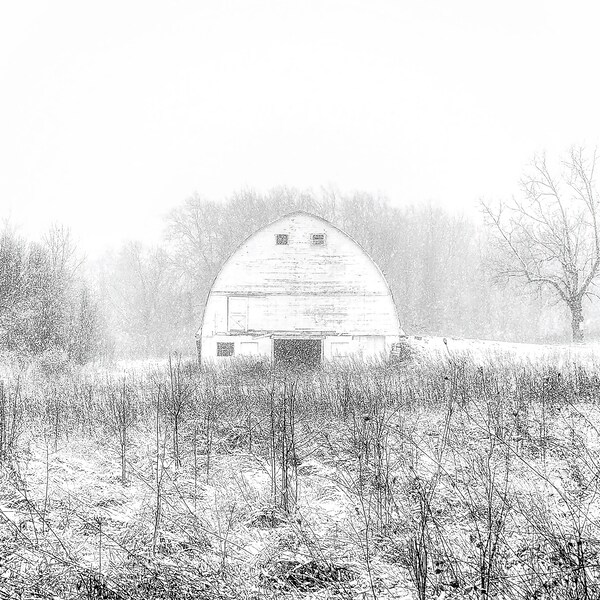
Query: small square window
[[281, 239], [317, 239], [224, 348]]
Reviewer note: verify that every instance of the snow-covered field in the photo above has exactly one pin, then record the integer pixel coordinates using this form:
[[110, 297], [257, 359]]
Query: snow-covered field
[[467, 470]]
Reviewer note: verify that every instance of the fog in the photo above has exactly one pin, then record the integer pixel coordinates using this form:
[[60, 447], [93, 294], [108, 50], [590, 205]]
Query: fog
[[113, 115]]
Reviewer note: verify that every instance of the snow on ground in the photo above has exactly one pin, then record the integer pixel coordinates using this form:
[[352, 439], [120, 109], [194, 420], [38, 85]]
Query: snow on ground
[[482, 350]]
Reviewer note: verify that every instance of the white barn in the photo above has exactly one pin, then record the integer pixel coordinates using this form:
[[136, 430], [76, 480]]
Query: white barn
[[298, 289]]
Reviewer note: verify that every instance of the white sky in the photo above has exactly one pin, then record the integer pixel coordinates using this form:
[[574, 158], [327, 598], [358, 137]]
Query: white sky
[[111, 112]]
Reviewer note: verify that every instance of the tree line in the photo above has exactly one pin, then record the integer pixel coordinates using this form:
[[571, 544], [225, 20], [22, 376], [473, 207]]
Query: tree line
[[518, 274], [46, 305], [438, 264]]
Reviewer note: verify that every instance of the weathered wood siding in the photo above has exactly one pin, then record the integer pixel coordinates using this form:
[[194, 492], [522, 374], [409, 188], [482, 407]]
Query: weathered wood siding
[[261, 267], [358, 314], [332, 289]]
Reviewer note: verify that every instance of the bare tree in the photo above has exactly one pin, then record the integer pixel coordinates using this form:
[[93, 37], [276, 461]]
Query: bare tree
[[45, 302], [63, 255], [145, 296], [550, 239]]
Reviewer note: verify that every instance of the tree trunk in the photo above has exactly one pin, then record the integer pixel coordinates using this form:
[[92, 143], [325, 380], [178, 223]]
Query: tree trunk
[[577, 320]]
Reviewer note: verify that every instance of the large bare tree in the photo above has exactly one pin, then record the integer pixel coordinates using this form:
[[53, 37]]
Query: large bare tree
[[549, 237]]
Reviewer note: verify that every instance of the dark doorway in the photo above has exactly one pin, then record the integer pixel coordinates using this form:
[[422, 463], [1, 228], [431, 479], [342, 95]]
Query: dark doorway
[[306, 353]]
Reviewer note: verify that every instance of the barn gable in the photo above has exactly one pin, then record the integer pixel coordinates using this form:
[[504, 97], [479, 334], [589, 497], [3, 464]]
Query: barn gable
[[299, 277]]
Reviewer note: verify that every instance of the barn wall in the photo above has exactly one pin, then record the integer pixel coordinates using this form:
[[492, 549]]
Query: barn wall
[[358, 315], [245, 345], [259, 266]]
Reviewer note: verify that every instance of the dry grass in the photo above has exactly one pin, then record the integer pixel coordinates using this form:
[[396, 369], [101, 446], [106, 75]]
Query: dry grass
[[443, 476]]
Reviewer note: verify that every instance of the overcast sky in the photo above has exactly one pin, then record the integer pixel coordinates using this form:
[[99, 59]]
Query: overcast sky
[[111, 113]]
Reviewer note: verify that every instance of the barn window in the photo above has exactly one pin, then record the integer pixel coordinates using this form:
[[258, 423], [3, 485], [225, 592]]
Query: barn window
[[317, 239], [281, 239], [224, 348]]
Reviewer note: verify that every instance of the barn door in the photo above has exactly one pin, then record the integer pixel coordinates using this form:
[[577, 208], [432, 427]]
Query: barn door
[[237, 313], [298, 352]]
